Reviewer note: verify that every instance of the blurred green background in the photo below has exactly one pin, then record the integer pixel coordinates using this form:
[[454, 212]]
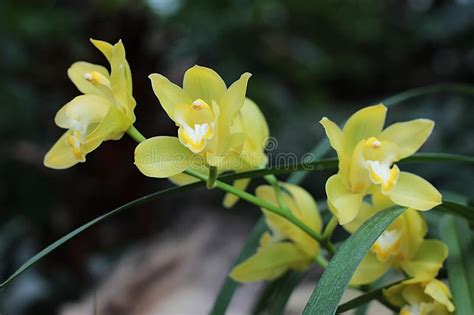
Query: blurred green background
[[308, 59]]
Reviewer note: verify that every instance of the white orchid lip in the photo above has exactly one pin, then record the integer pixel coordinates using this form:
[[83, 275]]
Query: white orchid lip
[[388, 244], [380, 173], [196, 125]]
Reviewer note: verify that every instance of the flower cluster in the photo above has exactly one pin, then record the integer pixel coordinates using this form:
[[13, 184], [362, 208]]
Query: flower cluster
[[219, 129], [369, 181]]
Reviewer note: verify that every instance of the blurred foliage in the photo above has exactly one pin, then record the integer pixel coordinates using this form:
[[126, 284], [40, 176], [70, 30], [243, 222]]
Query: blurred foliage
[[309, 58]]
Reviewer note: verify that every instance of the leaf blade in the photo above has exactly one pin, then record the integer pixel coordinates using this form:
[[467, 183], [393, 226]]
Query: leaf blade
[[228, 288], [460, 240], [325, 298]]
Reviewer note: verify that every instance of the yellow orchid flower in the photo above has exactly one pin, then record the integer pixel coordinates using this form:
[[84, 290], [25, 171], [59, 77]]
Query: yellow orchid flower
[[287, 247], [401, 246], [251, 122], [421, 296], [366, 162], [204, 110], [104, 112]]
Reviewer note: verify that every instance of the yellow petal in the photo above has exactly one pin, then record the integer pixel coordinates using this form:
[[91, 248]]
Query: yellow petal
[[337, 141], [203, 83], [306, 206], [162, 157], [393, 294], [121, 80], [85, 109], [269, 263], [168, 93], [365, 123], [366, 211], [78, 72], [427, 261], [334, 134], [414, 192], [104, 47], [233, 100], [369, 270], [343, 203], [414, 294], [230, 199], [112, 127], [61, 156], [409, 135], [413, 233], [283, 226], [440, 293], [228, 158], [358, 173], [254, 126]]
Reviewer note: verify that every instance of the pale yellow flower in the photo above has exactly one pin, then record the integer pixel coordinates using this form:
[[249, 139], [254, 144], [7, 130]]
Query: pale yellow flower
[[204, 111], [367, 156], [104, 112]]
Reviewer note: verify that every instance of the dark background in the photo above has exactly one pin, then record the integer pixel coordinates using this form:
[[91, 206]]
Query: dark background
[[308, 59]]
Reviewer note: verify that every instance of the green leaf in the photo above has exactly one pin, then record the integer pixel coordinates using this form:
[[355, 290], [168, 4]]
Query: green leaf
[[275, 296], [365, 298], [336, 278], [425, 90], [229, 286], [457, 209], [30, 262], [460, 240]]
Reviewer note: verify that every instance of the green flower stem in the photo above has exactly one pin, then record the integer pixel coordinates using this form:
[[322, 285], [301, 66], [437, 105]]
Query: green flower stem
[[321, 261], [329, 229], [272, 180], [211, 180], [327, 233], [135, 134], [258, 202]]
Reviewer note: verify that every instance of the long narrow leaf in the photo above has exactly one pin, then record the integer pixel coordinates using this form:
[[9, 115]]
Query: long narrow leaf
[[30, 262], [336, 278], [365, 298], [274, 298], [457, 209], [229, 286], [460, 263]]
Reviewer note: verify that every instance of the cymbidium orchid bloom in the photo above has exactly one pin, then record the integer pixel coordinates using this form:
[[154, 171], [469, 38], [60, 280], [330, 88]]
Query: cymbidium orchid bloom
[[287, 246], [204, 111], [401, 246], [421, 296], [104, 112], [251, 122], [367, 156]]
